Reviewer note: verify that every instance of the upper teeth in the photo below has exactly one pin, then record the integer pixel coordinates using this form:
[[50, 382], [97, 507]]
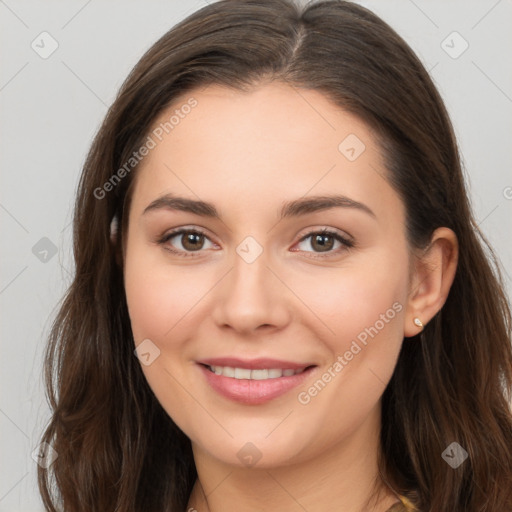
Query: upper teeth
[[247, 373]]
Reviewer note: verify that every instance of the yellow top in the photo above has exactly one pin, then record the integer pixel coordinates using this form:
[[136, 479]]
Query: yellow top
[[404, 506], [407, 504]]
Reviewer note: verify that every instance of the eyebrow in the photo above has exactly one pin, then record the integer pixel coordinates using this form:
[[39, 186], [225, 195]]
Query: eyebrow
[[294, 208]]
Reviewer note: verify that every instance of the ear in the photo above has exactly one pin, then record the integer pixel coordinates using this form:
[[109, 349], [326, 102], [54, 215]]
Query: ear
[[432, 277], [114, 224], [114, 236]]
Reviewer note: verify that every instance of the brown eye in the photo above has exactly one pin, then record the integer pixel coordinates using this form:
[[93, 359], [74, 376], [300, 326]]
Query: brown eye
[[192, 241], [184, 242], [324, 242]]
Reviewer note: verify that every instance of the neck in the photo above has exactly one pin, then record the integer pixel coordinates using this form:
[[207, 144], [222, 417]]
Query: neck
[[343, 478]]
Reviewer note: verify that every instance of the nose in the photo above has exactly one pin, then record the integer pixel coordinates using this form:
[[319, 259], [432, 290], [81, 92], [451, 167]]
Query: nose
[[251, 298]]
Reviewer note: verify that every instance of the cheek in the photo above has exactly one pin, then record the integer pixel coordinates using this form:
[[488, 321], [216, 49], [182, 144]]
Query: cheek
[[150, 304], [364, 313], [352, 300], [361, 309], [158, 299], [155, 306], [158, 295]]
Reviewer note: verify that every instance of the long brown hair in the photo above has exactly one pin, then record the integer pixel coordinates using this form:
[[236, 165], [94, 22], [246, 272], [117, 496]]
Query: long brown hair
[[117, 448]]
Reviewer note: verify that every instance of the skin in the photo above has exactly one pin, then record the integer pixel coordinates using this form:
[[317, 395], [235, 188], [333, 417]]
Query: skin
[[248, 153]]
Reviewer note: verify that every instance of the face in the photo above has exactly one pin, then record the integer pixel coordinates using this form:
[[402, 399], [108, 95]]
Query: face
[[295, 302]]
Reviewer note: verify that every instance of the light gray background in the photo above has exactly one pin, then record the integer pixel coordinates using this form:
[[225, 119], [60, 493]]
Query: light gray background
[[51, 108]]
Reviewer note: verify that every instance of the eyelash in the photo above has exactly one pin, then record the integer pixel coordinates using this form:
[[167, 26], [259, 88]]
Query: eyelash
[[180, 231]]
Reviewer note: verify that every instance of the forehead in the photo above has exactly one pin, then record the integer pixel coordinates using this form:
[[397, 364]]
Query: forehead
[[275, 142]]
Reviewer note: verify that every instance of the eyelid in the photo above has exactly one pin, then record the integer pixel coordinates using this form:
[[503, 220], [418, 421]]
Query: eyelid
[[327, 230]]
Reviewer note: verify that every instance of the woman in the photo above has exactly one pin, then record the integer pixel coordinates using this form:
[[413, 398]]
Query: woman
[[281, 299]]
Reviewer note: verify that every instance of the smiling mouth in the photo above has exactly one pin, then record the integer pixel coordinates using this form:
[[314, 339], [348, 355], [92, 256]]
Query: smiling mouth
[[254, 386], [254, 374]]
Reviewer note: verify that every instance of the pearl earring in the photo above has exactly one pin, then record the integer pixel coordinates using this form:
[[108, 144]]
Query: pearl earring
[[418, 322]]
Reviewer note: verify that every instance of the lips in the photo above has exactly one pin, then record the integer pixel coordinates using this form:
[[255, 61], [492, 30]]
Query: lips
[[253, 382]]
